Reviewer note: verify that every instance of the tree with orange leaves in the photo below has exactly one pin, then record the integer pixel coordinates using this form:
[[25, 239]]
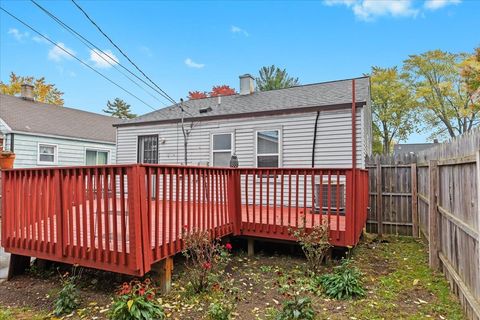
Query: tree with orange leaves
[[222, 90]]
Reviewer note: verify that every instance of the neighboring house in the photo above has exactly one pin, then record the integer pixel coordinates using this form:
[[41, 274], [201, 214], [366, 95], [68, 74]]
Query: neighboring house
[[411, 148], [275, 128], [49, 135]]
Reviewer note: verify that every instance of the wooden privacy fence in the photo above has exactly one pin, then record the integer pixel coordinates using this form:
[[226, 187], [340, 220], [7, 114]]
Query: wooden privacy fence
[[124, 218], [393, 193], [436, 195], [449, 214]]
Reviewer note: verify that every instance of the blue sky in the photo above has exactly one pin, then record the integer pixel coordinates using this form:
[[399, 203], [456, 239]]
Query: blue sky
[[187, 46]]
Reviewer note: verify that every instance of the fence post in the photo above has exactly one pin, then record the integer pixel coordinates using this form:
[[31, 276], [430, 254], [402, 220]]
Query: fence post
[[477, 155], [433, 232], [379, 197], [413, 170], [234, 200], [134, 221]]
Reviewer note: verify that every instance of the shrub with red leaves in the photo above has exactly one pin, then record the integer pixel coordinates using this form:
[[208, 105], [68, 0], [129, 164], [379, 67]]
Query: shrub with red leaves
[[136, 300], [204, 256]]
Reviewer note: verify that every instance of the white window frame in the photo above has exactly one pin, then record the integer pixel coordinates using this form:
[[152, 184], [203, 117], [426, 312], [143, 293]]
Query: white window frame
[[232, 144], [55, 153], [109, 160], [280, 146]]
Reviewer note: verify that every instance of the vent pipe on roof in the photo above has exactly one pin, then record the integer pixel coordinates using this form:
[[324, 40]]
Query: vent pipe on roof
[[246, 84], [27, 92]]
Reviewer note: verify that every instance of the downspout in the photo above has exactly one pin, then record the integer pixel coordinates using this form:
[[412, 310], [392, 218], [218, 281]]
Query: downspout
[[315, 139], [354, 165], [12, 142]]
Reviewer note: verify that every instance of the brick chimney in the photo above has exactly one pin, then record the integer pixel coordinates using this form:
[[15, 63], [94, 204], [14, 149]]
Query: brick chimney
[[27, 92], [246, 84]]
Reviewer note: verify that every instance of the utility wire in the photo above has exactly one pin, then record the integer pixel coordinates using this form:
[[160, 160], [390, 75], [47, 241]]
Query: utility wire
[[91, 46], [76, 58], [121, 51]]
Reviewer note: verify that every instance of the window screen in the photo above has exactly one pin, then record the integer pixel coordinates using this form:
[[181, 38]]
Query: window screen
[[221, 149], [46, 153], [148, 149], [268, 148]]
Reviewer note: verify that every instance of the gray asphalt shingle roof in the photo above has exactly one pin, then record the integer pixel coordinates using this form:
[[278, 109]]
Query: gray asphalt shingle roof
[[35, 117], [304, 96]]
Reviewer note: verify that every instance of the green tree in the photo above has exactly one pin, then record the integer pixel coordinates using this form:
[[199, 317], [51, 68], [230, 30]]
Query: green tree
[[119, 109], [441, 93], [392, 107], [272, 77], [470, 72], [42, 91]]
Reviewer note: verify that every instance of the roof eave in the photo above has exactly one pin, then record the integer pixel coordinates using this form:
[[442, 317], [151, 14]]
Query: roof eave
[[245, 114]]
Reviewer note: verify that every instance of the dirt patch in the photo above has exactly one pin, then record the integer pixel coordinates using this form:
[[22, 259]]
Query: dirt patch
[[396, 278]]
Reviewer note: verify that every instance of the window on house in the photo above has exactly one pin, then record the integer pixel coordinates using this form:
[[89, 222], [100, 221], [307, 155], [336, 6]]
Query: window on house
[[47, 153], [268, 154], [221, 149], [94, 157], [147, 149]]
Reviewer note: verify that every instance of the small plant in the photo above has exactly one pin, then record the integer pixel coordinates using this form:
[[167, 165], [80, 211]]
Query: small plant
[[204, 258], [220, 310], [314, 244], [136, 301], [344, 283], [68, 297], [297, 308]]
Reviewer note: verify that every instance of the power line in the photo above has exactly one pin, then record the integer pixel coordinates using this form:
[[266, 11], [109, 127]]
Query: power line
[[121, 51], [73, 56], [91, 46]]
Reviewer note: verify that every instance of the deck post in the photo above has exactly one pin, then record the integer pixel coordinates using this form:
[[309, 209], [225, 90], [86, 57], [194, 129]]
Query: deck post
[[164, 269], [433, 232], [250, 247], [235, 201]]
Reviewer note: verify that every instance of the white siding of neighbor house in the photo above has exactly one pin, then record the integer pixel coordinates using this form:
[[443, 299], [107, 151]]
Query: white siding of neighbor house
[[70, 152], [333, 147]]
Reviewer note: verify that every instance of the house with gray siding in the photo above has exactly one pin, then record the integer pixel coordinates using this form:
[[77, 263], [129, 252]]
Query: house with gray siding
[[303, 126], [43, 134]]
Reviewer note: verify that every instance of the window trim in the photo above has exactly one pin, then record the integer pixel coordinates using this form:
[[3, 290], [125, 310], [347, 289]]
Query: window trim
[[55, 153], [109, 160], [138, 146], [232, 144], [280, 148]]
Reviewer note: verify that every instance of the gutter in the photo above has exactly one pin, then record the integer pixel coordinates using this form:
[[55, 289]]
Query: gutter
[[315, 138]]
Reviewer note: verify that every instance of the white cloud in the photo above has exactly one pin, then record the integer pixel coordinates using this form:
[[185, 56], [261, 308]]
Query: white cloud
[[192, 64], [39, 39], [17, 34], [368, 10], [103, 59], [235, 29], [57, 54], [437, 4]]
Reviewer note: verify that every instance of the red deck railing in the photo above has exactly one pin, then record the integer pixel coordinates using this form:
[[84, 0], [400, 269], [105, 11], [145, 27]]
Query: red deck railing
[[123, 218]]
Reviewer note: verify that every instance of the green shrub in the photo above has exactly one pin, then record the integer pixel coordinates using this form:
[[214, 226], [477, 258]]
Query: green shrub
[[136, 301], [220, 310], [298, 308], [68, 297], [344, 283]]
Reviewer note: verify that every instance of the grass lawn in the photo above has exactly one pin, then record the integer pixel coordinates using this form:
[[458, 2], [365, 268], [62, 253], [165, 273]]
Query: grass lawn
[[398, 283]]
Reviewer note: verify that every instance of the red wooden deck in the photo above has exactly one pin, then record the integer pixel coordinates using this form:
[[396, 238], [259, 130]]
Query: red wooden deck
[[124, 218]]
